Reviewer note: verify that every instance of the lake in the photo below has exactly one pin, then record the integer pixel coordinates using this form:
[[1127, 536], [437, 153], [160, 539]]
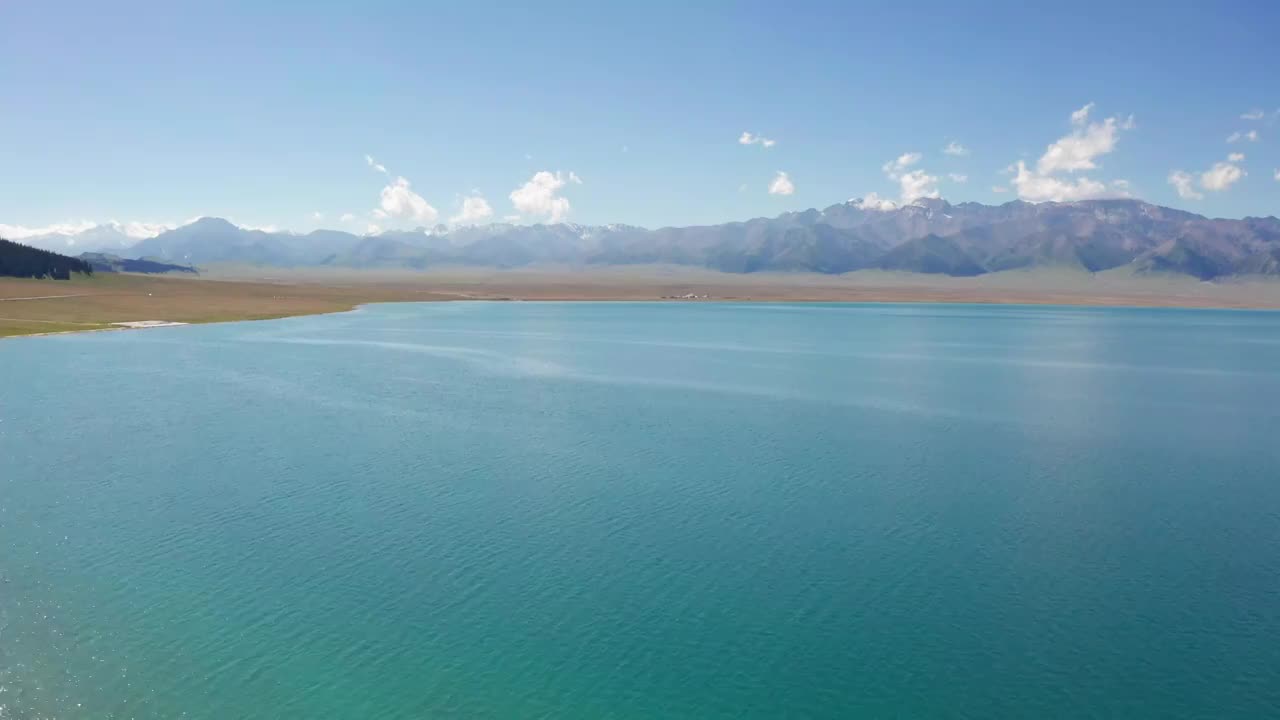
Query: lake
[[617, 510]]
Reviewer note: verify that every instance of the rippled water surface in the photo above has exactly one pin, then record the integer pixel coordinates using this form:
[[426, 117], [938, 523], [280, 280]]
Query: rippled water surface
[[512, 510]]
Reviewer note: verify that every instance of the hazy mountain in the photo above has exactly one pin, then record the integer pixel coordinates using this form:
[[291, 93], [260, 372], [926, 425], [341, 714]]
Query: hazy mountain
[[214, 240], [928, 236]]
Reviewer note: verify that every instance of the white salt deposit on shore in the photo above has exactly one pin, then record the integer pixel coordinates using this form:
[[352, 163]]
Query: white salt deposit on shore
[[147, 323]]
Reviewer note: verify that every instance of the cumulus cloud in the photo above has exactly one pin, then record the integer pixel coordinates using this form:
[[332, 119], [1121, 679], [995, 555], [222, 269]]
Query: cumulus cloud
[[747, 138], [955, 148], [475, 209], [782, 185], [915, 184], [902, 162], [1079, 150], [372, 229], [1221, 176], [1216, 179], [540, 196], [1255, 114], [958, 177], [1036, 187], [1184, 183], [375, 164], [1237, 136], [398, 200], [918, 184], [874, 202]]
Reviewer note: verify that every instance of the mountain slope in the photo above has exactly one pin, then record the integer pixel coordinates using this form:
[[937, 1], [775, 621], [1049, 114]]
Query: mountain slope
[[106, 262], [18, 260]]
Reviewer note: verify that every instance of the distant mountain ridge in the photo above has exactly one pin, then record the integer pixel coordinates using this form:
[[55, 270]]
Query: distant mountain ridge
[[107, 262], [928, 236]]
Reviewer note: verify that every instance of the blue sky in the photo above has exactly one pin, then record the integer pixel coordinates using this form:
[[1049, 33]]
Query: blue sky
[[155, 112]]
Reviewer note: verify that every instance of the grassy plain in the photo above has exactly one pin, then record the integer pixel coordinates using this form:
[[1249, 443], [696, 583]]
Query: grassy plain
[[251, 293]]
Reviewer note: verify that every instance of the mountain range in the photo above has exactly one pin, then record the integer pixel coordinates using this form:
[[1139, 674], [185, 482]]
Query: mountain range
[[927, 236]]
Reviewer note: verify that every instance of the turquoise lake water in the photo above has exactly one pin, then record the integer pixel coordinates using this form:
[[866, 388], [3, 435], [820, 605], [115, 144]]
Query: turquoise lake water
[[527, 510]]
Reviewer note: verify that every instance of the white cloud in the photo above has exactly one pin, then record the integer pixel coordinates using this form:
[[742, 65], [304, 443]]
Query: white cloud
[[1035, 187], [475, 209], [1216, 179], [874, 202], [375, 164], [18, 232], [1081, 116], [317, 215], [955, 148], [1254, 114], [1277, 172], [958, 177], [747, 138], [1237, 136], [540, 195], [902, 162], [915, 184], [999, 189], [1183, 182], [1221, 176], [1078, 150], [400, 201], [134, 229], [372, 229], [782, 185], [918, 184], [347, 217], [140, 230]]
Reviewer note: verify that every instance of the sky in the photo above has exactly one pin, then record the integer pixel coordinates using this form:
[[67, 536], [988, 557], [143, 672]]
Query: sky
[[379, 115]]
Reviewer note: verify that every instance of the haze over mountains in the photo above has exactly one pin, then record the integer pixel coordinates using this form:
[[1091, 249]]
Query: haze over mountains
[[928, 236]]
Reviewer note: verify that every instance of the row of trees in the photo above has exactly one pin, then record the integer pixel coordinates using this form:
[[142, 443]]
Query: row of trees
[[18, 260]]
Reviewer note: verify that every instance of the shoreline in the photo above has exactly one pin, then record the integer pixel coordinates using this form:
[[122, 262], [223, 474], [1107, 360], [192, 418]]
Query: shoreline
[[246, 294], [126, 326]]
